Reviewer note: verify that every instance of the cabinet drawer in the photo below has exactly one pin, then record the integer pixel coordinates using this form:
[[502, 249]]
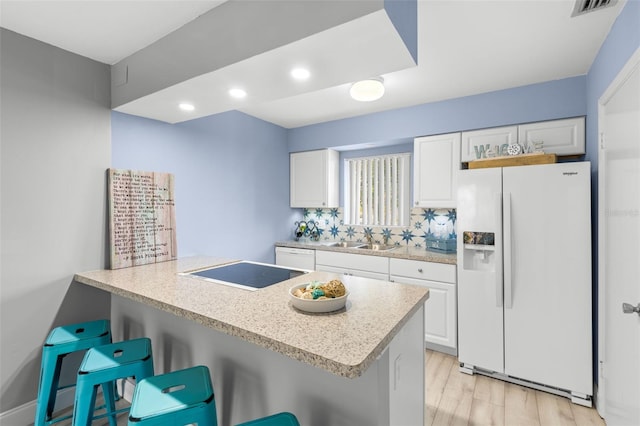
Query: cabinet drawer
[[423, 270], [353, 261]]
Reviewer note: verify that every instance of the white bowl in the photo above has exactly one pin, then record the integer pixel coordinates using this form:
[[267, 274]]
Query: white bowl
[[322, 305]]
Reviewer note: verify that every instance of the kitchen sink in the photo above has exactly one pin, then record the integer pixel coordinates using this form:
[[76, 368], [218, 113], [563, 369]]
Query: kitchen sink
[[347, 244], [378, 247]]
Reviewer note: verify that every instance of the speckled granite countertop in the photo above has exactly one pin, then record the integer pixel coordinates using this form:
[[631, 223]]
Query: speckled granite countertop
[[401, 252], [345, 343]]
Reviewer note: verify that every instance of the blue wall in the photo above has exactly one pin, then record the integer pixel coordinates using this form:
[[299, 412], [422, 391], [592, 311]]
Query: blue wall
[[621, 42], [231, 179], [538, 102]]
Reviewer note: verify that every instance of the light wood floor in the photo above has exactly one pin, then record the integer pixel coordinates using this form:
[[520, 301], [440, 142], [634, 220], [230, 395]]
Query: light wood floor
[[455, 398]]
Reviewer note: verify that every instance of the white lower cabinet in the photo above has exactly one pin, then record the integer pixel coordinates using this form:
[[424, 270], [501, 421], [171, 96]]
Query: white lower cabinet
[[359, 265], [441, 307]]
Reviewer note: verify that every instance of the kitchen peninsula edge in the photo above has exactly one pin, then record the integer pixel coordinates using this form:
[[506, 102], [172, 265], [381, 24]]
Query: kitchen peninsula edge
[[361, 346]]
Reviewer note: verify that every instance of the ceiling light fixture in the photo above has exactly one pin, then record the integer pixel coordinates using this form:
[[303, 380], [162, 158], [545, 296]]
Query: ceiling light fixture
[[237, 93], [367, 90], [186, 106], [300, 73]]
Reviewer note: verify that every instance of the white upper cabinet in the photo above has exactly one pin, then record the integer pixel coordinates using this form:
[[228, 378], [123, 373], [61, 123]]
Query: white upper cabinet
[[475, 143], [436, 161], [314, 178], [561, 137]]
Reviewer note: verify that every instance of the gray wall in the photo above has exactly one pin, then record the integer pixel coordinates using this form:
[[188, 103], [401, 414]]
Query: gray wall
[[55, 147]]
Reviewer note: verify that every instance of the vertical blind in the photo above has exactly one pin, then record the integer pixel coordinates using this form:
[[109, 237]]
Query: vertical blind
[[378, 190]]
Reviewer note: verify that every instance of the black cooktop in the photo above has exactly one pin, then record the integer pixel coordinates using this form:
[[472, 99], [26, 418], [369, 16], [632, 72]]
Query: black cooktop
[[249, 274]]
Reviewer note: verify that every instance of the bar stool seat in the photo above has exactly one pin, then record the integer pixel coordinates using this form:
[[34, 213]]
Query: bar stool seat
[[281, 419], [104, 364], [185, 397], [61, 342], [176, 398]]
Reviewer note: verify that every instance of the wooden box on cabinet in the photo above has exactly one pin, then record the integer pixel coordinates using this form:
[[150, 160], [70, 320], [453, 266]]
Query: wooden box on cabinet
[[314, 178], [436, 161]]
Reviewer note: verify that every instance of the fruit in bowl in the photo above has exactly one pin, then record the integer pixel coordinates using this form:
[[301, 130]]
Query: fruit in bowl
[[319, 297]]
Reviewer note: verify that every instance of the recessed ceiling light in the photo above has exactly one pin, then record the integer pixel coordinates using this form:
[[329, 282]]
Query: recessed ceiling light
[[237, 93], [186, 107], [367, 90], [300, 73]]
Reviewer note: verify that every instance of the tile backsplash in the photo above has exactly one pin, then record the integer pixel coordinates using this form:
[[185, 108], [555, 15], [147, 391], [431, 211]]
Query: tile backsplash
[[426, 224]]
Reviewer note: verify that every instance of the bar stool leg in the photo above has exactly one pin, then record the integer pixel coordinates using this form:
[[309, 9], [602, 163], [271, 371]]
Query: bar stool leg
[[83, 407], [108, 390]]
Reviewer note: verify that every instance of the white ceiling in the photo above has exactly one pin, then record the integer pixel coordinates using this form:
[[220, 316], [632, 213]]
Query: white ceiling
[[465, 47]]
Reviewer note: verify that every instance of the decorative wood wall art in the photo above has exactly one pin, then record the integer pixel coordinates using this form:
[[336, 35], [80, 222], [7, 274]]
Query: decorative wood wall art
[[142, 225]]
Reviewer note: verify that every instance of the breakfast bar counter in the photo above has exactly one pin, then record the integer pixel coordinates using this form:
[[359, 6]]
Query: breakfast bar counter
[[363, 346]]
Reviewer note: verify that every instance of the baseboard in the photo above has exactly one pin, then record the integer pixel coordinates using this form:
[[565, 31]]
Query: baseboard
[[441, 348], [26, 413]]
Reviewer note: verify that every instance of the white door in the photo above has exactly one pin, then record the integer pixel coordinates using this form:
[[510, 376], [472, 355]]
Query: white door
[[619, 248]]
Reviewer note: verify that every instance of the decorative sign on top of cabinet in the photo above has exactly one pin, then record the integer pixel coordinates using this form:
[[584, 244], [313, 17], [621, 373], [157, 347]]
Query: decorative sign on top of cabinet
[[560, 137], [314, 178], [436, 161]]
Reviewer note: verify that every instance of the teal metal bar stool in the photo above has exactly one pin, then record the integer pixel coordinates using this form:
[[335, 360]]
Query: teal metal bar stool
[[61, 342], [280, 419], [104, 364], [177, 398], [185, 397]]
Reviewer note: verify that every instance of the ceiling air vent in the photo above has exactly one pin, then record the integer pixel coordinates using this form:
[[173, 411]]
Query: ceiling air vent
[[586, 6]]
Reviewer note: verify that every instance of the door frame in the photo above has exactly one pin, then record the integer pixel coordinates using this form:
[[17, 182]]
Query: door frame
[[612, 89]]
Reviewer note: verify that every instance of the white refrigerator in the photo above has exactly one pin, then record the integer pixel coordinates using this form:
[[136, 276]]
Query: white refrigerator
[[524, 276]]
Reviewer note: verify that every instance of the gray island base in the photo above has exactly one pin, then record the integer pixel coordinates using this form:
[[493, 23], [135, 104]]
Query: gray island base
[[363, 365]]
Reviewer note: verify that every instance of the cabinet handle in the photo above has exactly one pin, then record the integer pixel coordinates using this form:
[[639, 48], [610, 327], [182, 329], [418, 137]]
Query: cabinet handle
[[420, 270]]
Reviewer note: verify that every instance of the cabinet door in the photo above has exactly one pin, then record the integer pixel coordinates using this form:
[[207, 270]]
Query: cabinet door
[[561, 137], [475, 143], [440, 314], [354, 272], [314, 178], [350, 261], [436, 161], [369, 274], [332, 269]]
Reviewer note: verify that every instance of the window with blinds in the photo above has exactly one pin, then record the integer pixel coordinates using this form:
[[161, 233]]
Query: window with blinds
[[377, 190]]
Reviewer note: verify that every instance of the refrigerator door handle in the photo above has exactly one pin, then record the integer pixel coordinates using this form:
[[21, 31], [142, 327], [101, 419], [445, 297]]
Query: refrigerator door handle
[[508, 255], [498, 270]]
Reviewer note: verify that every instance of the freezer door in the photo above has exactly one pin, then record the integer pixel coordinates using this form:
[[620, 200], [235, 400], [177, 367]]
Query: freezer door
[[547, 256], [480, 299]]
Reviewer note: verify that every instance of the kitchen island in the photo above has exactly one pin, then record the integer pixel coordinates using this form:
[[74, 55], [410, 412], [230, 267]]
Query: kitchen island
[[361, 365]]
